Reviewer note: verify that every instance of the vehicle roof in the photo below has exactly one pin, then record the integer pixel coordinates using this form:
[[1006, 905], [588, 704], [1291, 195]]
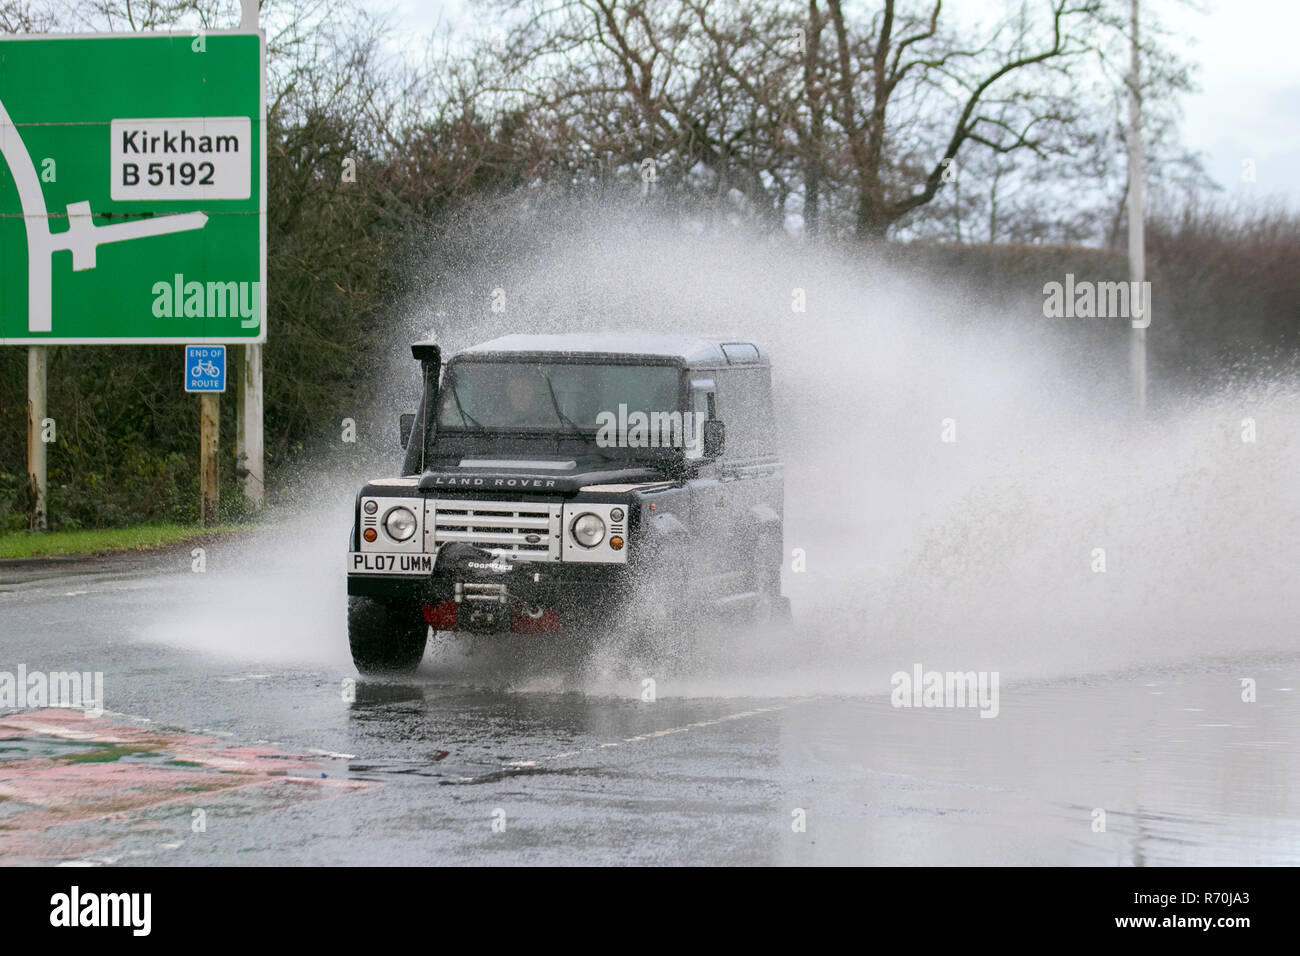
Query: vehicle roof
[[688, 349]]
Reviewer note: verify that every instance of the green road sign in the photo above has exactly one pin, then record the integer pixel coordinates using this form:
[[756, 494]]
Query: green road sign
[[133, 189]]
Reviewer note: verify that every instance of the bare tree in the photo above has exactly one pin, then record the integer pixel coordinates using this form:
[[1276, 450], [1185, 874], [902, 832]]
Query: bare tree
[[854, 119]]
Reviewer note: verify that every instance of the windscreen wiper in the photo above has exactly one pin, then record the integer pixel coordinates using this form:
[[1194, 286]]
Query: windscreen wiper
[[464, 415], [574, 427]]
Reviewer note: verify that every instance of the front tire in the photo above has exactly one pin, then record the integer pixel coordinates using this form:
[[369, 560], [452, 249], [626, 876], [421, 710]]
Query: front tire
[[386, 637]]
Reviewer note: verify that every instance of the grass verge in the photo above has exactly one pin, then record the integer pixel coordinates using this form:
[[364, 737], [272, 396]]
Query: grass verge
[[28, 544]]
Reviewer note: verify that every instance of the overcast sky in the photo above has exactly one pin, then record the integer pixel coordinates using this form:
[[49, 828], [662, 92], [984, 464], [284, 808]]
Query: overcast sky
[[1249, 104], [1249, 74]]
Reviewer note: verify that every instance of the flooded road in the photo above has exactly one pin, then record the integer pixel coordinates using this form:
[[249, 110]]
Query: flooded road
[[213, 749]]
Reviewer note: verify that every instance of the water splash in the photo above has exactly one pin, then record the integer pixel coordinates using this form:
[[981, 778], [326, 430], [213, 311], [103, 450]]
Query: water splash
[[979, 553]]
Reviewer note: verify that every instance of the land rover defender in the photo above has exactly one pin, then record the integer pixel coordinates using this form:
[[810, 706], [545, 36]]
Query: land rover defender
[[569, 484]]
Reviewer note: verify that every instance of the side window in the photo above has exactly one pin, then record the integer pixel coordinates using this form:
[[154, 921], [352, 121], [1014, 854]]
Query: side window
[[703, 406]]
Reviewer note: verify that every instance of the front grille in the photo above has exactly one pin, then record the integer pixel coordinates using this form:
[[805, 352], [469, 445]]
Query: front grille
[[502, 527]]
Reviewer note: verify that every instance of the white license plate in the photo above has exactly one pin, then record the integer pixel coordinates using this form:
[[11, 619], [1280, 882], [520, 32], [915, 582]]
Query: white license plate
[[364, 562]]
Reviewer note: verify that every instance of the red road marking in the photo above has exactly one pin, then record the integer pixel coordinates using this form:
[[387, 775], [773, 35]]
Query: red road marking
[[59, 769]]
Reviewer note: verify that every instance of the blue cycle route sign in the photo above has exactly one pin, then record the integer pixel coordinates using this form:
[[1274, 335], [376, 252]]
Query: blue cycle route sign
[[205, 368]]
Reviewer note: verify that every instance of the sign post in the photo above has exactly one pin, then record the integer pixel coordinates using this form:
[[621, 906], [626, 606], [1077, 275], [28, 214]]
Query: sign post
[[133, 201], [37, 374], [209, 445], [250, 448], [205, 372]]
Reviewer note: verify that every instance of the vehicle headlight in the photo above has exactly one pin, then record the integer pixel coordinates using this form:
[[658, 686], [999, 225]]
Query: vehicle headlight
[[400, 523], [588, 530]]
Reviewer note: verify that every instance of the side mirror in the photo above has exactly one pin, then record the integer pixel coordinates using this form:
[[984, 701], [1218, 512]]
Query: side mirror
[[715, 438], [405, 425]]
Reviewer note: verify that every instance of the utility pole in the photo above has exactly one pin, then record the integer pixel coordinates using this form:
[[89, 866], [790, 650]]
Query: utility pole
[[37, 375], [1136, 214]]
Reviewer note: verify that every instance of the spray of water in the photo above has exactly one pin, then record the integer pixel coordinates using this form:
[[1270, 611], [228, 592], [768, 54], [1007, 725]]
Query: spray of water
[[982, 552]]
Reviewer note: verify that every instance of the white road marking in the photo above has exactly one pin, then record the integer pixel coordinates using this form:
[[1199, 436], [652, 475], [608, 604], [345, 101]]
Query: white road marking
[[697, 725]]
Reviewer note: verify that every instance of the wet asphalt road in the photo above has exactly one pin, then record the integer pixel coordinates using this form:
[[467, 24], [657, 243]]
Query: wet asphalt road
[[505, 755]]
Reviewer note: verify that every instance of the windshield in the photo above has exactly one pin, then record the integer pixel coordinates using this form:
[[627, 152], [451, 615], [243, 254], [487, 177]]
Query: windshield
[[552, 396]]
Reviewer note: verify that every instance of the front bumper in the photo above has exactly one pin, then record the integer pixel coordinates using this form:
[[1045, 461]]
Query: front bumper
[[531, 597]]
